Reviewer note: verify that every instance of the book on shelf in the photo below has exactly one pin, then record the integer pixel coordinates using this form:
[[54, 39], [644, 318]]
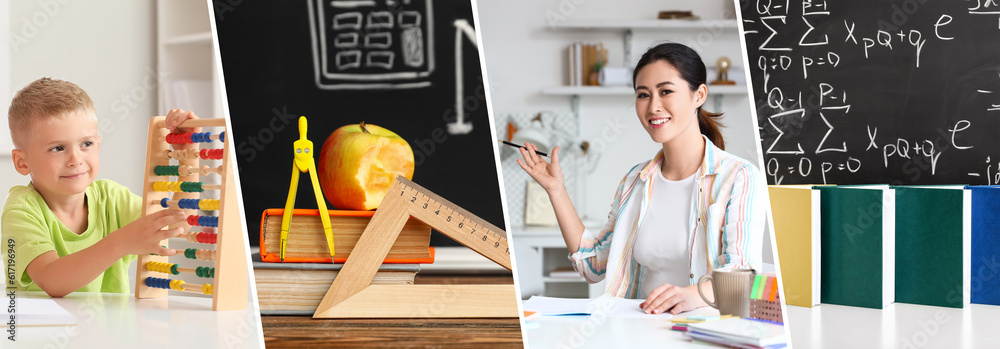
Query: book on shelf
[[298, 288], [857, 245], [571, 64], [796, 213], [307, 241], [933, 245], [985, 258], [583, 60], [676, 15]]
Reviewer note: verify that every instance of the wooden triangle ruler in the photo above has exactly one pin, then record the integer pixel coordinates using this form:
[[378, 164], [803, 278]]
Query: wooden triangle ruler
[[353, 296]]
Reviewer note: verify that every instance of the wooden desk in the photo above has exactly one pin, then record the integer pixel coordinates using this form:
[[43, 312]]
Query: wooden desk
[[304, 331]]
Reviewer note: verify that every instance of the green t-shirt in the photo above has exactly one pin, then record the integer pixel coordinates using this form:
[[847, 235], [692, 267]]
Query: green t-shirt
[[31, 227]]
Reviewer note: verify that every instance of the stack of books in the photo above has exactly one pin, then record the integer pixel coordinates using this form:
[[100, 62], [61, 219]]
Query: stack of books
[[873, 245], [297, 285], [585, 61]]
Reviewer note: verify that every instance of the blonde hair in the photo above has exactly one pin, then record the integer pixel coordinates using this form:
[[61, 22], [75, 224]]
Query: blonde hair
[[42, 100]]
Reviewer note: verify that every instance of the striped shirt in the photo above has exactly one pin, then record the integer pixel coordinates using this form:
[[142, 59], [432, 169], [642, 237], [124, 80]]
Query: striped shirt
[[729, 207]]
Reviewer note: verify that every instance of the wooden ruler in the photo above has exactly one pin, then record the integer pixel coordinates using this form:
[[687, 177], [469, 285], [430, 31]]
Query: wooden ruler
[[352, 296]]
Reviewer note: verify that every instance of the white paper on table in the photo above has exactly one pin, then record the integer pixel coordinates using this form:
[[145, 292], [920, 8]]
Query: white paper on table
[[610, 306], [41, 312]]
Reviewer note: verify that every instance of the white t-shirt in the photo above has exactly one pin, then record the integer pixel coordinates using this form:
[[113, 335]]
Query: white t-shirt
[[662, 243]]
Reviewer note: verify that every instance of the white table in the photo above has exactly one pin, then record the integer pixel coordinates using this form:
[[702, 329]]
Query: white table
[[899, 325], [110, 320], [611, 332]]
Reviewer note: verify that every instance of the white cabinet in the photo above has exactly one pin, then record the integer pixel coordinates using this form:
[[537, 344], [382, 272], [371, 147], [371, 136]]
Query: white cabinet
[[540, 251], [186, 59]]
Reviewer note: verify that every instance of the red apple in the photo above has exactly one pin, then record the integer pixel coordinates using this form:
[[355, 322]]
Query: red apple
[[359, 162]]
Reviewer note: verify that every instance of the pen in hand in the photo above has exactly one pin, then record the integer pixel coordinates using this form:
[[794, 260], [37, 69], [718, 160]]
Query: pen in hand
[[521, 146]]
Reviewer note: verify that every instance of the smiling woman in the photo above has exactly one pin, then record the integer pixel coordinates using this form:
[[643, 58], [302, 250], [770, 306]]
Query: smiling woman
[[690, 210]]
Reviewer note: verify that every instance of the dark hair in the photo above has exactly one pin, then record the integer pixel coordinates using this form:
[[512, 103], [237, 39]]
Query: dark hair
[[692, 70]]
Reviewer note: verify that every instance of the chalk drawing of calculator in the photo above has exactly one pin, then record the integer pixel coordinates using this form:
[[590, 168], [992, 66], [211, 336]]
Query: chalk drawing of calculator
[[372, 44]]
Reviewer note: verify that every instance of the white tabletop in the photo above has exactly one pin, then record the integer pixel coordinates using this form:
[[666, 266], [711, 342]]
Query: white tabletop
[[611, 332], [899, 325], [109, 320]]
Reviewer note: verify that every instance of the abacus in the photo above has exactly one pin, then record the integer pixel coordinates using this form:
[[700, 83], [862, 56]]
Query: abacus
[[226, 279]]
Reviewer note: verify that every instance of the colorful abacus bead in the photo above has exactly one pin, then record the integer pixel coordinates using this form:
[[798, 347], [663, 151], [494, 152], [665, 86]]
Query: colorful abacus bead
[[161, 267], [205, 255], [184, 170], [208, 204], [208, 238], [196, 137], [211, 154], [166, 170], [187, 187], [177, 285], [205, 238], [205, 272], [157, 282], [192, 204], [183, 154], [179, 138], [204, 221]]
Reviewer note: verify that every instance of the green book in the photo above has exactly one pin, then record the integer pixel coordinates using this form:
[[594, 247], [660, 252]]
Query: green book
[[857, 238], [933, 245]]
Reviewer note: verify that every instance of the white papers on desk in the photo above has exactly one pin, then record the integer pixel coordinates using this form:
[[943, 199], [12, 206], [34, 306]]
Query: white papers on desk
[[739, 333], [42, 312], [606, 305]]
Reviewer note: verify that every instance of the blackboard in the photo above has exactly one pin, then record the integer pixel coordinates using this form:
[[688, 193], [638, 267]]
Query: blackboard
[[864, 92], [268, 50]]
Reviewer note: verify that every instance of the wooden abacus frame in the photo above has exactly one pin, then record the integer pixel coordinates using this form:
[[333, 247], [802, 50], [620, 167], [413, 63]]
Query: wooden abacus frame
[[229, 287]]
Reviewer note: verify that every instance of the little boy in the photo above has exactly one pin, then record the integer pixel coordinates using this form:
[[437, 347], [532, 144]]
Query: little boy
[[69, 231]]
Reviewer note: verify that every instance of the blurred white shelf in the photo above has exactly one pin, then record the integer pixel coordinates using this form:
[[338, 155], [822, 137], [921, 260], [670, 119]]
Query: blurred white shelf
[[564, 279], [203, 38], [622, 90], [673, 24], [186, 59]]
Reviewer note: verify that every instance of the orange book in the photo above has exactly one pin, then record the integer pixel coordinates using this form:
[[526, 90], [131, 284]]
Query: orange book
[[307, 241]]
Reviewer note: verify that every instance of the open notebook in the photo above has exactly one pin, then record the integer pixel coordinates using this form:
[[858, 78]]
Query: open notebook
[[609, 306], [42, 312]]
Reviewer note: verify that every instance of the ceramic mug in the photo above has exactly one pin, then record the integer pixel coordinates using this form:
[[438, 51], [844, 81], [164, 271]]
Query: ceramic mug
[[732, 290]]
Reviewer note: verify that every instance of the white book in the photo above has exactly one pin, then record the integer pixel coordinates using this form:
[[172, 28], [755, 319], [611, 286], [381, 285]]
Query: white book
[[578, 63]]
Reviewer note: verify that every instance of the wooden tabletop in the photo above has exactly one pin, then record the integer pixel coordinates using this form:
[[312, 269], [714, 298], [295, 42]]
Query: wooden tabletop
[[304, 331]]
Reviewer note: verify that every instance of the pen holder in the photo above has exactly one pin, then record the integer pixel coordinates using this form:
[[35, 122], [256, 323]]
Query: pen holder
[[765, 300], [763, 309]]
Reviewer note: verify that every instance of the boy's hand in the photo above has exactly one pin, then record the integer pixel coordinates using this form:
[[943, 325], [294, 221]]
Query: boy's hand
[[143, 235], [176, 116], [173, 121]]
